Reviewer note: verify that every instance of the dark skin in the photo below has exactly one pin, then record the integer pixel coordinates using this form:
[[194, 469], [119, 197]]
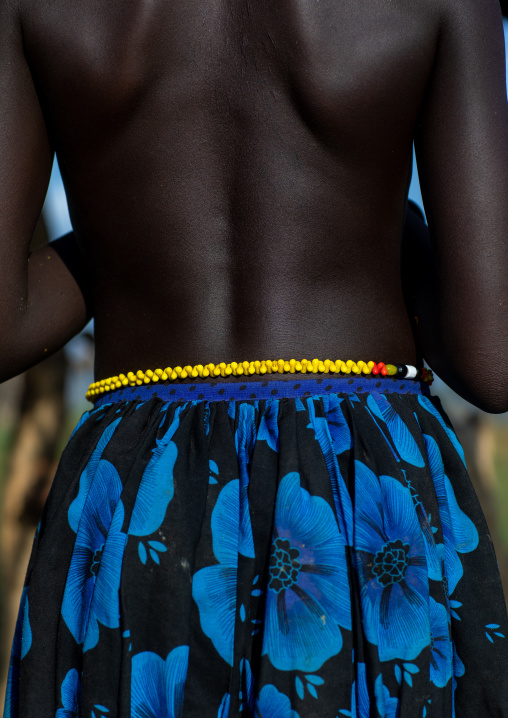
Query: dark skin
[[237, 175]]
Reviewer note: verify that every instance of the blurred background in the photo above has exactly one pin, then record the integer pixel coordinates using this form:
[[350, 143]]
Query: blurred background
[[39, 409]]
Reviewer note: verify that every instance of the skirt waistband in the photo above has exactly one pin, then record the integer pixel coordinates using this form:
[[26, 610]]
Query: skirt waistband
[[240, 369], [274, 389]]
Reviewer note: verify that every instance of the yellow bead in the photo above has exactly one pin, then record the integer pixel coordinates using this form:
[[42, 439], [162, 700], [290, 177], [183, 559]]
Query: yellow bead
[[280, 365], [321, 366], [228, 370], [239, 370], [168, 370], [183, 374], [252, 368], [118, 384], [194, 372], [140, 375], [146, 380], [292, 365], [298, 366], [245, 365], [149, 373], [326, 365], [206, 372], [174, 375], [287, 366], [159, 373], [188, 369], [263, 369], [164, 376], [371, 365], [216, 370]]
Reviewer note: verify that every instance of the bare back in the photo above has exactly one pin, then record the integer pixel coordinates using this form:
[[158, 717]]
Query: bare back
[[237, 172]]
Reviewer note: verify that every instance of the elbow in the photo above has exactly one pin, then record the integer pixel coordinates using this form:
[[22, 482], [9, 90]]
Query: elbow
[[494, 403], [487, 389]]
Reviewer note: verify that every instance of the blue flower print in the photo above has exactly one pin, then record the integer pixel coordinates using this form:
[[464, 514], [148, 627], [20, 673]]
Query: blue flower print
[[390, 558], [360, 699], [402, 444], [330, 447], [157, 685], [460, 535], [429, 406], [93, 580], [71, 695], [308, 590], [268, 428], [214, 587], [23, 628], [441, 655], [156, 487], [21, 645], [87, 477], [247, 683], [245, 439], [338, 426], [223, 711], [387, 706], [271, 703]]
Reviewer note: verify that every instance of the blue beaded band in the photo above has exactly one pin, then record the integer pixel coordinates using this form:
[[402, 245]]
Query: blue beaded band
[[276, 389]]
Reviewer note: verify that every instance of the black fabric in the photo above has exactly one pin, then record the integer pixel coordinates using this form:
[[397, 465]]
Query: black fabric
[[286, 557]]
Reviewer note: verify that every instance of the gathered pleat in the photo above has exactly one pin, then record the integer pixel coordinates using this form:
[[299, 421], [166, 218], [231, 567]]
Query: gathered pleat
[[288, 557]]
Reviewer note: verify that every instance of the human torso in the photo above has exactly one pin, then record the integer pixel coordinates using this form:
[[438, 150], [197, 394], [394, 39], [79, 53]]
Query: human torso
[[237, 171]]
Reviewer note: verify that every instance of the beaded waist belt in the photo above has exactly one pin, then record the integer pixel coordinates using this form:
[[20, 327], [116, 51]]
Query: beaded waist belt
[[280, 366]]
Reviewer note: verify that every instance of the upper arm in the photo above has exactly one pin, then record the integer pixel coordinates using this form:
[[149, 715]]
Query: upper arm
[[462, 152], [25, 157], [462, 137], [41, 303]]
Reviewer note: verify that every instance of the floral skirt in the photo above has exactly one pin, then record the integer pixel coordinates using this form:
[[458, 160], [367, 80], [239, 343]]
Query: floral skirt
[[276, 549]]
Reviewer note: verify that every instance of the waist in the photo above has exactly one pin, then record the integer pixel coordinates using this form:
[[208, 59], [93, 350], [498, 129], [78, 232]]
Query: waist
[[336, 370]]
